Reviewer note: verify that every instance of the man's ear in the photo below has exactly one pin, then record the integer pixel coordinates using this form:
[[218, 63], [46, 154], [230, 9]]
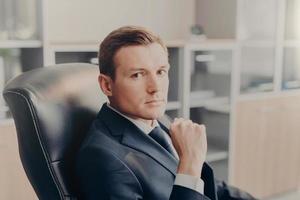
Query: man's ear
[[105, 83]]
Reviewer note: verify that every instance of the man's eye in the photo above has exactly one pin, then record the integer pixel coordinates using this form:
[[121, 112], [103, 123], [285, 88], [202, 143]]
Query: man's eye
[[162, 72], [136, 75]]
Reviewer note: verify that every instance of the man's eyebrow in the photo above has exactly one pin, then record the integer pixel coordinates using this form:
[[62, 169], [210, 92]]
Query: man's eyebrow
[[164, 67], [136, 69], [133, 69]]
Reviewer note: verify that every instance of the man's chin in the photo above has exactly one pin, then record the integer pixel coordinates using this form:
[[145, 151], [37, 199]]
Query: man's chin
[[151, 115]]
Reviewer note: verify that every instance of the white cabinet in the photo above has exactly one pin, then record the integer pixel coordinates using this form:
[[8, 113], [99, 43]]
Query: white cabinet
[[267, 145], [20, 41], [268, 45], [15, 58], [256, 35], [265, 67], [262, 135], [257, 20], [206, 95], [200, 89], [291, 68], [291, 51], [99, 17]]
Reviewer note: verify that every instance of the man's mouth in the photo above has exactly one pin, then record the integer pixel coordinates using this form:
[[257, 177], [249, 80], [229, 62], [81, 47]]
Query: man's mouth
[[156, 101]]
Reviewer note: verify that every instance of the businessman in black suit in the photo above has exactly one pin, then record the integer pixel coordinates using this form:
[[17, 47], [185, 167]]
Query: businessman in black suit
[[128, 153]]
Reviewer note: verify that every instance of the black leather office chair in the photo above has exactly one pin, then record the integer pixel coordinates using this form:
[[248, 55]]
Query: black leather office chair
[[52, 108]]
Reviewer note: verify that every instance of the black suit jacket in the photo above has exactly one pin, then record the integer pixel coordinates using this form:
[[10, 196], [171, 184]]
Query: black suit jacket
[[118, 161]]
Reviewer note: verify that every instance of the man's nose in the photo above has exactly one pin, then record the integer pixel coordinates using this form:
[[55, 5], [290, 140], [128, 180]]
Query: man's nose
[[153, 84]]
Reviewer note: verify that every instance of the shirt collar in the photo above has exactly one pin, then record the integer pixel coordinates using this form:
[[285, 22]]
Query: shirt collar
[[140, 124]]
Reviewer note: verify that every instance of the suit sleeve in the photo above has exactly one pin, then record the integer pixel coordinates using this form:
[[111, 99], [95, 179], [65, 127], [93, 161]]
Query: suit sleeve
[[179, 193], [109, 178], [227, 192]]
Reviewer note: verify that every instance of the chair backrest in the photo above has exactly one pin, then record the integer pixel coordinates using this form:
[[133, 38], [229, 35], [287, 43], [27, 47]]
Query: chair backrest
[[52, 108]]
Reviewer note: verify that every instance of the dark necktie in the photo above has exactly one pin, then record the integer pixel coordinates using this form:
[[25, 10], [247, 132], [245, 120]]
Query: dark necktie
[[158, 135]]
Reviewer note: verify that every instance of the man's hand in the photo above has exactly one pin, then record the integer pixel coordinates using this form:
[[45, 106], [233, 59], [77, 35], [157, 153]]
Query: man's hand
[[189, 140]]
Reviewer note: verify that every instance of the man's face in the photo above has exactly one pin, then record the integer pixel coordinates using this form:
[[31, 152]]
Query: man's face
[[141, 81]]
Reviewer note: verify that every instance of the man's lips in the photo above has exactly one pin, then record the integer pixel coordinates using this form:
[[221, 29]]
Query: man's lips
[[155, 101]]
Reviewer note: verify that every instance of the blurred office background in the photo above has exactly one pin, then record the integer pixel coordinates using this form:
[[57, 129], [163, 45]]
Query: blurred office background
[[235, 66]]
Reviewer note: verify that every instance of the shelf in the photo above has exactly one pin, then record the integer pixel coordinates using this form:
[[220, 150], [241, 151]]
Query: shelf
[[211, 44], [258, 43], [173, 105], [3, 111], [213, 103], [212, 62], [5, 122], [6, 44], [205, 58], [222, 108], [291, 85], [207, 44], [262, 70], [215, 154], [75, 48], [201, 95], [263, 87], [292, 43], [4, 108], [175, 43]]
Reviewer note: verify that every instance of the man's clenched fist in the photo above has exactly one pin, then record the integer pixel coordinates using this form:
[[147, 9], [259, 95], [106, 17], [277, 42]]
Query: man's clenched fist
[[189, 140]]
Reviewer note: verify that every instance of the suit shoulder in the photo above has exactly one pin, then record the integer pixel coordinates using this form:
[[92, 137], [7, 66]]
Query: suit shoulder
[[102, 166], [99, 144], [98, 134]]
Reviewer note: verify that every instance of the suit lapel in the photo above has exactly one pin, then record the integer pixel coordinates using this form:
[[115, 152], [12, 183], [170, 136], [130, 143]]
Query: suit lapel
[[133, 137], [143, 143]]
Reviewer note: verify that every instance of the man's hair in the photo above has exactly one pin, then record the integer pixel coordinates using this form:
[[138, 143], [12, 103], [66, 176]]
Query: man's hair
[[123, 37]]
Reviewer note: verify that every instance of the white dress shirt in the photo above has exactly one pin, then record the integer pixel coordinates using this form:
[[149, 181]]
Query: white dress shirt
[[185, 180]]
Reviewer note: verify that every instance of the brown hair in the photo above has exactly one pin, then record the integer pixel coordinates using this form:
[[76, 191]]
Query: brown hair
[[123, 37]]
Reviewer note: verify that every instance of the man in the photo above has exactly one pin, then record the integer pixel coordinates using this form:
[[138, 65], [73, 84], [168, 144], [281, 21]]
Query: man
[[130, 155]]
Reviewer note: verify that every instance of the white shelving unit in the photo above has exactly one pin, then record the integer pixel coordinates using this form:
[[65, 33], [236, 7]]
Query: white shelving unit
[[206, 94], [19, 55], [173, 105], [55, 49], [8, 44], [292, 43], [15, 56], [265, 71], [216, 154]]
